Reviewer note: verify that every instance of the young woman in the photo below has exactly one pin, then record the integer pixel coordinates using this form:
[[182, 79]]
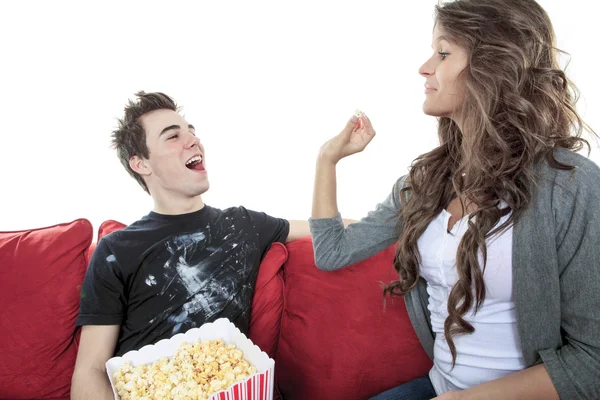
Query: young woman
[[498, 228]]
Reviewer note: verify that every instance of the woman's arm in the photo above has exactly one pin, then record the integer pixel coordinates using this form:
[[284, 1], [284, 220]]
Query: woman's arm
[[353, 139], [334, 245]]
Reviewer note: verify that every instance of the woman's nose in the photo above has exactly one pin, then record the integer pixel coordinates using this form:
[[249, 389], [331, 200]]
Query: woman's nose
[[426, 69]]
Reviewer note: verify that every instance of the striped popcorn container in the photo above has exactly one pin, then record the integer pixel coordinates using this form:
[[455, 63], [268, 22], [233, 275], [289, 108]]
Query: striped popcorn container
[[258, 386]]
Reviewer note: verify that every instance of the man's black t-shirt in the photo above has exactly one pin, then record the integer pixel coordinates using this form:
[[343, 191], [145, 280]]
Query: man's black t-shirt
[[165, 274]]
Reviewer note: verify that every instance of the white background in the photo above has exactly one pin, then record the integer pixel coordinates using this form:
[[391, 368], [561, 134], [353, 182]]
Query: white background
[[264, 82]]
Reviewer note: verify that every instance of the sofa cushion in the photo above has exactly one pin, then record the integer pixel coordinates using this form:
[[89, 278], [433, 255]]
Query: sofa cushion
[[105, 228], [336, 340], [41, 272], [267, 303], [109, 226]]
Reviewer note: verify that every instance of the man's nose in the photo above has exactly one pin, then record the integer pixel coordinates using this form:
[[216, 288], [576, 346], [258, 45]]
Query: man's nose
[[192, 141]]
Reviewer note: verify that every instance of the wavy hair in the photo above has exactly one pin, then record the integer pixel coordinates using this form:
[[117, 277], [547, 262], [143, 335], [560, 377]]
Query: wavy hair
[[519, 105]]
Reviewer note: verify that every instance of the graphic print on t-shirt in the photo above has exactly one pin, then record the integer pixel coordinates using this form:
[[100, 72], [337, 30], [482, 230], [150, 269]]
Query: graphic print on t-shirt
[[204, 273], [165, 274]]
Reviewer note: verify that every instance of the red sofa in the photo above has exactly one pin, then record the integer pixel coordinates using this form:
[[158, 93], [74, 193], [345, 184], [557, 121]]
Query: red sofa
[[329, 332]]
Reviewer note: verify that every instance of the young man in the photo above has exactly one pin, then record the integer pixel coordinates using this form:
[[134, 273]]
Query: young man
[[183, 264]]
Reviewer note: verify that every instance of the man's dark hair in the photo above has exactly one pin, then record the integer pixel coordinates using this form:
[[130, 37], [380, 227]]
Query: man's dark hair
[[129, 139]]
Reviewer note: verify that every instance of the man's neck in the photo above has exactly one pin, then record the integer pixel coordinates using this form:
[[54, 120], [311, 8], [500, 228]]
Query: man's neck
[[178, 206]]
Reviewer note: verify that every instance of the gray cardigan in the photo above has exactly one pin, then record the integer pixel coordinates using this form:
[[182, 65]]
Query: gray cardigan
[[556, 270]]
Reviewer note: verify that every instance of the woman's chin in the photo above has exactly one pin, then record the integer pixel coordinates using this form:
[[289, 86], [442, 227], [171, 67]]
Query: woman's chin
[[431, 112], [435, 111]]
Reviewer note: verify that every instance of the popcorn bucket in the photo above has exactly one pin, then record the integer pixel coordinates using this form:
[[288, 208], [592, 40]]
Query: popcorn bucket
[[259, 386]]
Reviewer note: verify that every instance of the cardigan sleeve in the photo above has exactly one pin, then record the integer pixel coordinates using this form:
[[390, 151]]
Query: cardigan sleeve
[[575, 367], [336, 247]]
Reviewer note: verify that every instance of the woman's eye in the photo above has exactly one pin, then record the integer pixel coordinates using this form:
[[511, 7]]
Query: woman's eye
[[443, 54], [173, 137]]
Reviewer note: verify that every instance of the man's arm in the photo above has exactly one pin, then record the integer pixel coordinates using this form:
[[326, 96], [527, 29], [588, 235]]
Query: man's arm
[[300, 229], [96, 347]]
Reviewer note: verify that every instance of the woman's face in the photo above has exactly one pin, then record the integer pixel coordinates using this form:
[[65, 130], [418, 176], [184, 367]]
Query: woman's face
[[444, 84]]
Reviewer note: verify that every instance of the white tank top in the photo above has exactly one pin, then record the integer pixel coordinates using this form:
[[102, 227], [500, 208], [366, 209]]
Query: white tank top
[[493, 350]]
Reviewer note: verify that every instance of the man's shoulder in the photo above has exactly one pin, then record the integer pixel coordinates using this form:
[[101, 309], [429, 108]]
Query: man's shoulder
[[243, 217], [140, 226], [235, 212], [128, 239]]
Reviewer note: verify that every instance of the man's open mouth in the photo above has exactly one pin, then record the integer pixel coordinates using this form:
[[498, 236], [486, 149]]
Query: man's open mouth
[[195, 163]]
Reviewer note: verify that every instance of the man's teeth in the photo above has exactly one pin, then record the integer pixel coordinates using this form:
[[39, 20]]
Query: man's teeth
[[193, 160]]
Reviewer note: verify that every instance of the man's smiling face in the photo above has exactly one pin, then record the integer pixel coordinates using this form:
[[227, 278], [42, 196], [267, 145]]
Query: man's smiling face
[[175, 166]]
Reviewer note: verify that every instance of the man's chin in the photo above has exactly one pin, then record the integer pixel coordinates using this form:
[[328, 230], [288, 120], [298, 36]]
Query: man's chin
[[203, 189]]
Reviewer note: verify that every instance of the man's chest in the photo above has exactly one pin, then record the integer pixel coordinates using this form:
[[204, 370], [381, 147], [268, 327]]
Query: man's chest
[[209, 266]]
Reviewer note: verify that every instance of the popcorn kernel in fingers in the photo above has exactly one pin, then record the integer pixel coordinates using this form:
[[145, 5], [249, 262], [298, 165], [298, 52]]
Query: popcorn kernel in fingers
[[359, 114]]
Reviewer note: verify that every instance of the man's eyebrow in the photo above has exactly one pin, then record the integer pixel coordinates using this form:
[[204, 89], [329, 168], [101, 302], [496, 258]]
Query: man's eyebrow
[[168, 128], [172, 127]]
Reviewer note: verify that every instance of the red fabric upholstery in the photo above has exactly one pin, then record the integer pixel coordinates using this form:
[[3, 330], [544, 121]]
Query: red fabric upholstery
[[268, 301], [41, 275], [336, 339], [109, 226], [105, 228]]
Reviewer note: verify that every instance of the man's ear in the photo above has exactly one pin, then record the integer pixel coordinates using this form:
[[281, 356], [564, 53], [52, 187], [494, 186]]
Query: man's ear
[[140, 165]]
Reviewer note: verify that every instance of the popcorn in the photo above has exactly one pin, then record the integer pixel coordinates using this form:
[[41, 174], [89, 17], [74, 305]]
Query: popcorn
[[196, 371], [359, 114]]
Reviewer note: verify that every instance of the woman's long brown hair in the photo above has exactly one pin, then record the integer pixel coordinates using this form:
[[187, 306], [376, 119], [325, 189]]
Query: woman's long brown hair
[[519, 105]]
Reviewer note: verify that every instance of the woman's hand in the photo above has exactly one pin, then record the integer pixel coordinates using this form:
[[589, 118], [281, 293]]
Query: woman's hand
[[357, 134]]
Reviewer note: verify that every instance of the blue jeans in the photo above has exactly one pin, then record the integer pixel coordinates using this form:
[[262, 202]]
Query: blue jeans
[[417, 389]]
